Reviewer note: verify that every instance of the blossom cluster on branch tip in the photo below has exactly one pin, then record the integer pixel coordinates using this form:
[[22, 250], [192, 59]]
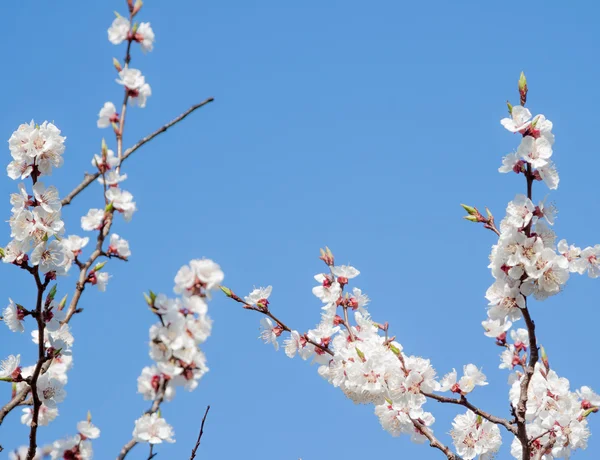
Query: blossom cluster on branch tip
[[36, 226], [527, 262], [175, 342], [121, 30], [371, 368], [359, 358], [58, 342]]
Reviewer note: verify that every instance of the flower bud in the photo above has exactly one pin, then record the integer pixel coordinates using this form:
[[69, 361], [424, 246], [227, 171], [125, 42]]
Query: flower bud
[[137, 7], [99, 266], [327, 256], [510, 107], [117, 64], [544, 357], [52, 293], [63, 302], [471, 210], [147, 299], [523, 88], [394, 350], [104, 150], [360, 354], [226, 291]]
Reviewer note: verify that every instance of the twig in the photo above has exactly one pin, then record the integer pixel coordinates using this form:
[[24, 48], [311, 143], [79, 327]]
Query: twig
[[41, 287], [433, 441], [265, 311], [193, 456], [464, 402], [89, 178]]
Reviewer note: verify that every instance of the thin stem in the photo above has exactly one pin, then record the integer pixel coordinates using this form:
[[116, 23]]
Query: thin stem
[[83, 271], [267, 312], [193, 456], [89, 178], [433, 441], [462, 401]]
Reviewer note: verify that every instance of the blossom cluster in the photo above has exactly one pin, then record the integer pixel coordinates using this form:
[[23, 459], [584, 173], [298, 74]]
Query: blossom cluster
[[525, 262], [58, 342], [371, 368], [133, 81], [77, 447], [556, 417], [175, 343], [36, 226]]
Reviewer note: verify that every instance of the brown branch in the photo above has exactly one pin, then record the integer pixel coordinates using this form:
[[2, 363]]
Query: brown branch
[[193, 456], [521, 408], [89, 178], [462, 401], [433, 441], [41, 287], [160, 396], [18, 399], [83, 271]]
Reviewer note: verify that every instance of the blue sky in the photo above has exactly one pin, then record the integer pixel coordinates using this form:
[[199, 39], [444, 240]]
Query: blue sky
[[358, 125]]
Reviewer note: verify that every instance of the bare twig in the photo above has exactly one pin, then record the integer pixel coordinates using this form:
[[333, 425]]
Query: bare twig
[[37, 403], [462, 401], [89, 178], [193, 456]]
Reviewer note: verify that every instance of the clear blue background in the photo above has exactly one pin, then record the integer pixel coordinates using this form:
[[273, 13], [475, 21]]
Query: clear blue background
[[358, 125]]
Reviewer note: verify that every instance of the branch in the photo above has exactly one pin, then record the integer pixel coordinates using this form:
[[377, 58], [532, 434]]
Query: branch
[[265, 311], [193, 456], [433, 441], [37, 403], [464, 402], [89, 178], [533, 351]]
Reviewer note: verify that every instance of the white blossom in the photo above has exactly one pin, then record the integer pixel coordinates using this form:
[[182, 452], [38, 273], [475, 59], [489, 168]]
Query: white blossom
[[152, 429]]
